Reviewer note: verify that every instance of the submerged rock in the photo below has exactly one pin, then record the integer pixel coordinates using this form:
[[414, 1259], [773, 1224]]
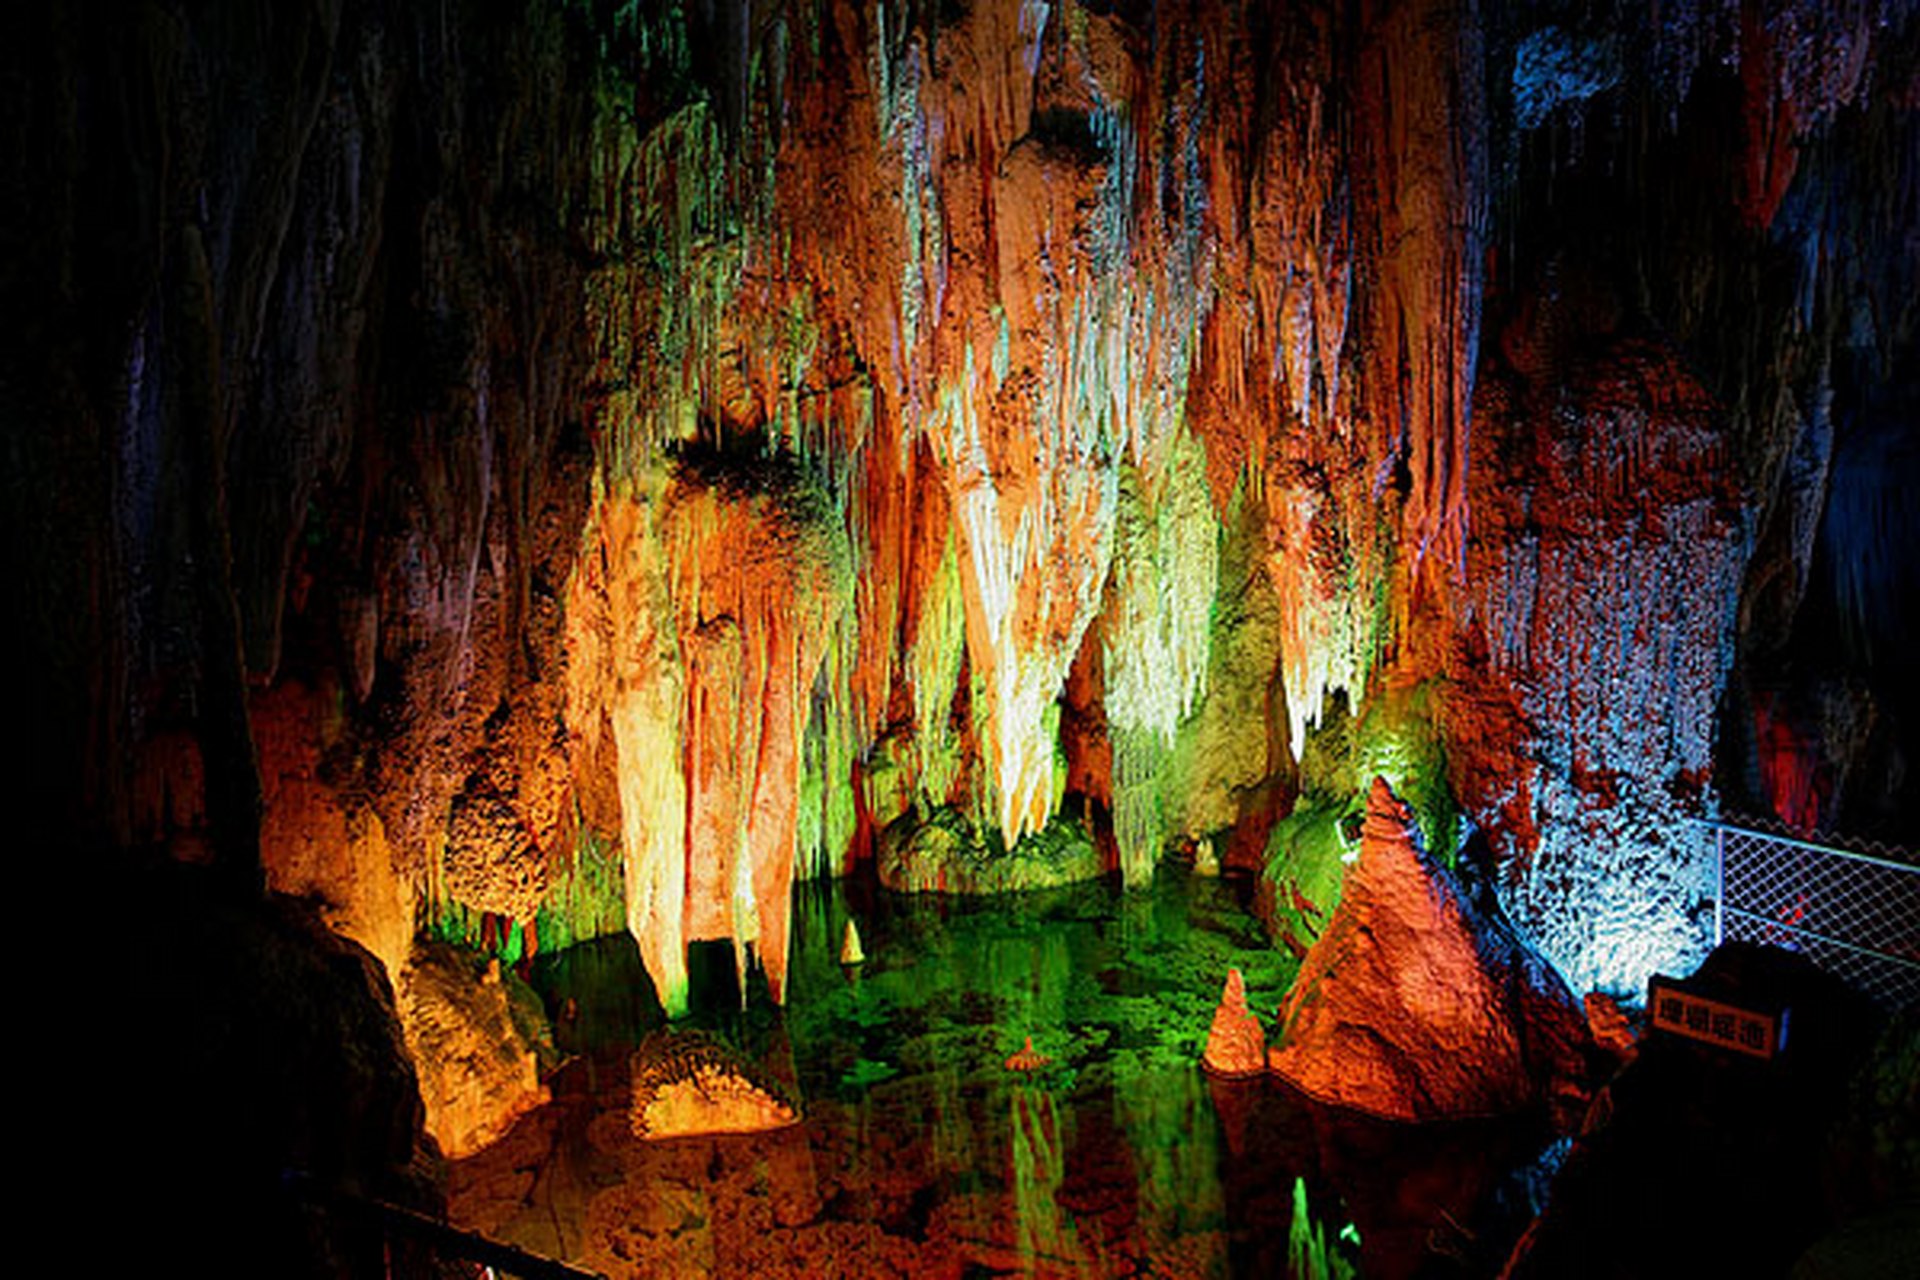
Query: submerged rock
[[689, 1084], [1417, 1003], [1236, 1046]]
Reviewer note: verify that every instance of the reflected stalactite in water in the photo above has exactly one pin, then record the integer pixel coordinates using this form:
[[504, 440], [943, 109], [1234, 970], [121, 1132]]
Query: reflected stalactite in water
[[1042, 1232], [1167, 1119], [1309, 1255]]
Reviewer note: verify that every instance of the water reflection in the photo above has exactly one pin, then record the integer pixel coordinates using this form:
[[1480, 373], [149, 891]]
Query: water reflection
[[921, 1154]]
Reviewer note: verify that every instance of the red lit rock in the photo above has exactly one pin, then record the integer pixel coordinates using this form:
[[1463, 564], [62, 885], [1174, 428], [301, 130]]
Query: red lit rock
[[1417, 1003], [1236, 1046], [1583, 727]]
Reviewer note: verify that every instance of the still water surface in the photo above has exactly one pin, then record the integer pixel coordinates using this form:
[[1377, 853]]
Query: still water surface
[[919, 1153]]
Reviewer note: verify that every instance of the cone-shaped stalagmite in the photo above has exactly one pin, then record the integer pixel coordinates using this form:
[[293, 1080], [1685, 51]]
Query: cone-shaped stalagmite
[[850, 952], [1416, 1004], [1236, 1046]]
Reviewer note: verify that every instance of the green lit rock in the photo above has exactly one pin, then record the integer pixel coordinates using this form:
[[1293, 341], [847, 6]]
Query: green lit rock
[[1235, 740], [944, 853], [1392, 737]]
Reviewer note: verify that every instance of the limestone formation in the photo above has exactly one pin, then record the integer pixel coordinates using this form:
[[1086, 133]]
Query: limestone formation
[[689, 1084], [479, 1069], [945, 854], [1416, 1003], [1236, 1046], [850, 952], [1027, 1058], [591, 473]]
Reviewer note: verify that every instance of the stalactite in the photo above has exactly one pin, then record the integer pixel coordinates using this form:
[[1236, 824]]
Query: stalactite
[[1424, 178], [936, 661], [1156, 636]]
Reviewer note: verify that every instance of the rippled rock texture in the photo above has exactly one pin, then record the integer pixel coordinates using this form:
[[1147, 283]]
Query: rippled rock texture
[[687, 1084]]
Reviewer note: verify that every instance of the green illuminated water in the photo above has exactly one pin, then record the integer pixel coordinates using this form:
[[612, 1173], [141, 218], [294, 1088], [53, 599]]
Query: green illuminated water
[[920, 1153]]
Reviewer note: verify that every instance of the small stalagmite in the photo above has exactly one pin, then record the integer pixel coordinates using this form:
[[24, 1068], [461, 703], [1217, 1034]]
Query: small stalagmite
[[1236, 1046], [1028, 1058], [850, 952]]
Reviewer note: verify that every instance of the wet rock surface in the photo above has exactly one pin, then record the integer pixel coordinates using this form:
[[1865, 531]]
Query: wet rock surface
[[687, 1084], [918, 1153]]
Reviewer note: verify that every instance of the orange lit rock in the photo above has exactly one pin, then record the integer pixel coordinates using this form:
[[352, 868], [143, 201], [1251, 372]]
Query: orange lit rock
[[473, 1045], [1236, 1046], [689, 1084], [314, 841], [625, 705], [1417, 1003], [1610, 1026], [491, 863], [696, 632], [1027, 1058], [761, 576]]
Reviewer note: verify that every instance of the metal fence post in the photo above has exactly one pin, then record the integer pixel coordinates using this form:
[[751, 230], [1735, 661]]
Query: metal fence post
[[1720, 884]]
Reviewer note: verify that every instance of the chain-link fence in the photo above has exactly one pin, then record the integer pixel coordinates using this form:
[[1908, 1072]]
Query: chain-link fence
[[1853, 914]]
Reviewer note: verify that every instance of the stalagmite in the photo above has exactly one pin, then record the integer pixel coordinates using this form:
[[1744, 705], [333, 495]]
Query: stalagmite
[[1236, 1046], [1416, 1003], [1027, 1058]]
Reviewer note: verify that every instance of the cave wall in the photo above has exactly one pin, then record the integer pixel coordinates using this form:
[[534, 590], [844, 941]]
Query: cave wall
[[522, 471]]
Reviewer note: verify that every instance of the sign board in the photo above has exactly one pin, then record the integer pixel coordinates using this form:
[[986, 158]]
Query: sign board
[[1761, 1033]]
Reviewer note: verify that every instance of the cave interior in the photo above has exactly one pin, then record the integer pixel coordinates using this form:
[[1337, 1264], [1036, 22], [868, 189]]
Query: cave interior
[[875, 553]]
